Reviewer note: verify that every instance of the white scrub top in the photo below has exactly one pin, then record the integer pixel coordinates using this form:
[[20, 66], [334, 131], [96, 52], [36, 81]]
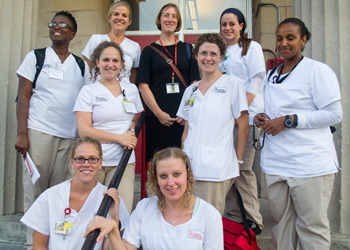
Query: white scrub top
[[211, 120], [49, 208], [301, 153], [148, 227]]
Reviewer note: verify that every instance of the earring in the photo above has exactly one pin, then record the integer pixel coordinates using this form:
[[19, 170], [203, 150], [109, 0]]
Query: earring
[[302, 47]]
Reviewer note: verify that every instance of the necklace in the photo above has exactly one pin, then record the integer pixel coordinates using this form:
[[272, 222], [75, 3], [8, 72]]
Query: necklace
[[173, 222]]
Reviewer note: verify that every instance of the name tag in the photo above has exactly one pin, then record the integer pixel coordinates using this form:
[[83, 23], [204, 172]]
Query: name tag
[[219, 91], [197, 235], [56, 74], [101, 98], [63, 228], [129, 107], [172, 88], [189, 103]]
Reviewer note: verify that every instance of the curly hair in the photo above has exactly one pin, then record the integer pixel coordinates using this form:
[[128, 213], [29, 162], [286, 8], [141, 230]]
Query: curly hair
[[152, 182], [96, 56], [70, 17], [211, 38], [88, 140]]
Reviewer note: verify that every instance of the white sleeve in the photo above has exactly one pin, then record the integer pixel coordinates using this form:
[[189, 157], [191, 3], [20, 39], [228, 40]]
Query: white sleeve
[[327, 116], [132, 233], [87, 74], [27, 68], [256, 66], [214, 238], [254, 84], [181, 112], [324, 86], [37, 217], [84, 101], [124, 215], [138, 102], [239, 101], [89, 48], [137, 57]]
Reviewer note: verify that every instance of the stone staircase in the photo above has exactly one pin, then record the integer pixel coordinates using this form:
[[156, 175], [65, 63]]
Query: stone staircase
[[13, 233]]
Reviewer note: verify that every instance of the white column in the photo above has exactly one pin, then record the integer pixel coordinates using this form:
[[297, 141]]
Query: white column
[[328, 22], [17, 17]]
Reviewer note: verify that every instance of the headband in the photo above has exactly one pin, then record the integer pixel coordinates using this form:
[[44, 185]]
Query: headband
[[234, 11]]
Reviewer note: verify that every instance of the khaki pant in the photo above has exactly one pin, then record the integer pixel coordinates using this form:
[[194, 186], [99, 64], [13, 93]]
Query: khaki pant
[[299, 208], [213, 192], [247, 186], [51, 156], [126, 185]]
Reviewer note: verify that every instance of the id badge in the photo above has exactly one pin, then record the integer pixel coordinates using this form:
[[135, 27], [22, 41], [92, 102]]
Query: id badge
[[129, 107], [63, 228], [189, 103], [172, 88], [56, 74]]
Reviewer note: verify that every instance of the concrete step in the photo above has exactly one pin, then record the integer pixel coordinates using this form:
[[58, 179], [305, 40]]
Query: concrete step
[[13, 233]]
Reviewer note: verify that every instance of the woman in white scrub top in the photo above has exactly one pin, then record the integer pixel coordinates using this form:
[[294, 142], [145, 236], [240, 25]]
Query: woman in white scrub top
[[119, 17], [173, 218], [60, 216], [107, 110], [244, 59], [302, 99], [210, 109]]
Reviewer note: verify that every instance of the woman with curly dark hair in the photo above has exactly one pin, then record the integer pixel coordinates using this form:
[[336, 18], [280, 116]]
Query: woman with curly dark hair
[[173, 218], [210, 109], [107, 110]]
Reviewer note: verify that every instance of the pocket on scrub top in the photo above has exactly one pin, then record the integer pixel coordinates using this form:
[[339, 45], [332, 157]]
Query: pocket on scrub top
[[207, 162]]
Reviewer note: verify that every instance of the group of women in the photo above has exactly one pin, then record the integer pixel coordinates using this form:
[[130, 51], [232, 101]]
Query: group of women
[[212, 119]]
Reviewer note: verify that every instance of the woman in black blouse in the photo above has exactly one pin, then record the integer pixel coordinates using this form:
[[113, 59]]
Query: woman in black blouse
[[160, 87]]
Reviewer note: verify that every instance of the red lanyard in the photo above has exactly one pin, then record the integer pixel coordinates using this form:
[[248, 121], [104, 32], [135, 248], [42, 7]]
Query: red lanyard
[[175, 61]]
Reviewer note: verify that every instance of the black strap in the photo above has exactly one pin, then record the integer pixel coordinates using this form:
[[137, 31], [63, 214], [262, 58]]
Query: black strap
[[40, 57], [80, 63], [271, 73], [244, 217], [189, 54]]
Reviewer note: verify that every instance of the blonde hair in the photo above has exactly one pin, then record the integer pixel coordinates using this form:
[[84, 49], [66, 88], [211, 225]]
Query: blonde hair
[[178, 16], [88, 140], [117, 4], [152, 182]]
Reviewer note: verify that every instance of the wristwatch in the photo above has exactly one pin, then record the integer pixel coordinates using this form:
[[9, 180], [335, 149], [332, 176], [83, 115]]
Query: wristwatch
[[132, 130], [288, 122]]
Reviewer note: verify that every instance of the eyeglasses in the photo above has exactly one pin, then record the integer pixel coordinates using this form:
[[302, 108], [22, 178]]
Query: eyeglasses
[[61, 25], [81, 160]]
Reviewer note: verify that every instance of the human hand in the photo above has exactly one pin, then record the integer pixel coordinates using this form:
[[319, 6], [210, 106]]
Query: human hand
[[261, 119], [114, 208], [104, 224], [274, 126], [128, 140], [165, 119], [180, 121], [22, 144]]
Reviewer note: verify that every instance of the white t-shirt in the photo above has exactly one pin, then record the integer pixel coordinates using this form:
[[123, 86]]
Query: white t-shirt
[[53, 98], [245, 68], [211, 120], [148, 228], [295, 152], [108, 114], [131, 50], [49, 208]]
